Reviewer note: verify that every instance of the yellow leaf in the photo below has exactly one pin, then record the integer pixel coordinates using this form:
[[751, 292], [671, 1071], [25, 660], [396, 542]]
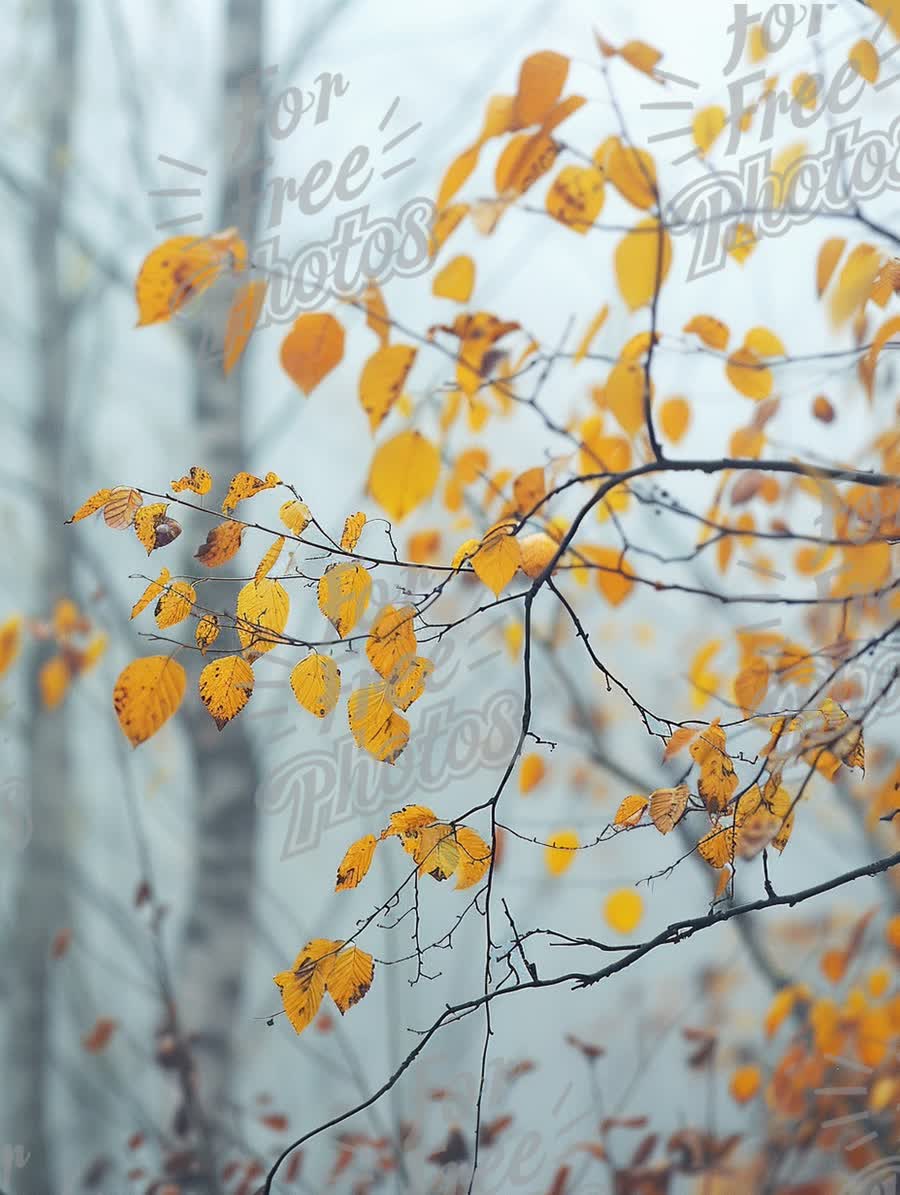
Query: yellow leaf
[[404, 473], [613, 574], [153, 528], [751, 685], [465, 552], [707, 125], [353, 526], [674, 418], [631, 171], [717, 847], [154, 589], [829, 256], [718, 781], [356, 862], [375, 724], [262, 611], [382, 380], [529, 489], [316, 683], [745, 1084], [312, 349], [678, 741], [180, 269], [245, 485], [53, 681], [344, 591], [630, 811], [642, 261], [207, 632], [526, 158], [222, 542], [456, 280], [537, 552], [303, 987], [225, 688], [349, 977], [269, 560], [865, 60], [888, 11], [196, 479], [748, 375], [10, 642], [457, 175], [497, 558], [147, 693], [295, 515], [91, 505], [764, 343], [855, 283], [434, 849], [406, 683], [710, 330], [175, 604], [667, 806], [641, 56], [576, 197], [623, 910], [805, 91], [625, 395], [704, 682], [474, 857], [410, 817], [559, 854], [531, 772], [119, 509], [242, 316], [392, 639], [590, 332], [542, 77], [784, 171], [740, 241], [446, 222]]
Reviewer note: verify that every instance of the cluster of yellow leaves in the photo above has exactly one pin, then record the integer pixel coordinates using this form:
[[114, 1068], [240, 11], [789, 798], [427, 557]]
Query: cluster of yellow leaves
[[746, 368], [183, 267], [342, 970], [78, 648], [439, 849], [375, 723], [824, 739], [124, 507], [665, 808]]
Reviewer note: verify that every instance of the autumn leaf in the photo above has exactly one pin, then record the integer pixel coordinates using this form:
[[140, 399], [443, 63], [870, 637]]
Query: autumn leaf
[[474, 857], [531, 772], [667, 806], [222, 542], [404, 473], [406, 683], [497, 559], [153, 527], [392, 639], [10, 642], [344, 591], [245, 485], [91, 505], [146, 694], [355, 863], [295, 515], [349, 977], [269, 559], [54, 677], [542, 77], [303, 987], [630, 811], [175, 604], [456, 280], [382, 380], [576, 197], [242, 316], [642, 263], [353, 526], [559, 853], [226, 686], [312, 349], [120, 507], [434, 849], [198, 480], [623, 910], [207, 632], [262, 610], [180, 269], [316, 683], [100, 1035], [410, 817], [375, 724]]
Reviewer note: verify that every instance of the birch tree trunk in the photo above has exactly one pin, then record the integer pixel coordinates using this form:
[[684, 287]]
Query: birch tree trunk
[[220, 918], [41, 897]]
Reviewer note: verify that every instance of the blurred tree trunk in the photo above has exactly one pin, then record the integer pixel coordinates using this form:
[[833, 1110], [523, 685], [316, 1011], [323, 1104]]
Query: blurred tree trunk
[[41, 899], [219, 922]]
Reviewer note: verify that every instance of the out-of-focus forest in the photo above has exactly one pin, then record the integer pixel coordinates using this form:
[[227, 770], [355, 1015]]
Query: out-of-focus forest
[[450, 495]]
